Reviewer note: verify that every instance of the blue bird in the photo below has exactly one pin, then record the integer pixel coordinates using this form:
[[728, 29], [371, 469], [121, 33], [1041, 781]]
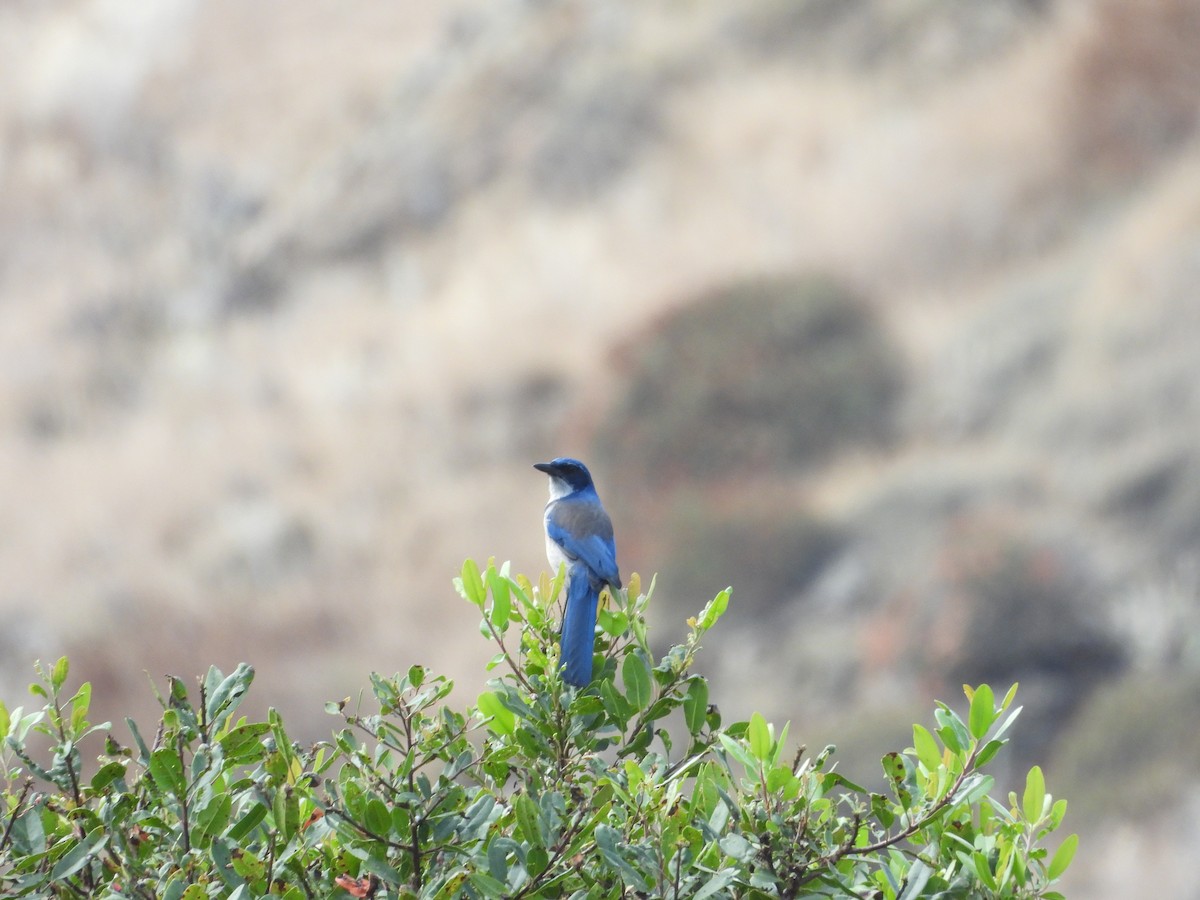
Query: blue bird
[[579, 534]]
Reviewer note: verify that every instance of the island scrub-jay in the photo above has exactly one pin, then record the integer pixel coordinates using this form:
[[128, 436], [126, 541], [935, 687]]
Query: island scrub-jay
[[578, 533]]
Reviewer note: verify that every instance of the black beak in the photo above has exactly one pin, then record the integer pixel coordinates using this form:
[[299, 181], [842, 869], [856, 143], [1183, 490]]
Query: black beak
[[548, 468]]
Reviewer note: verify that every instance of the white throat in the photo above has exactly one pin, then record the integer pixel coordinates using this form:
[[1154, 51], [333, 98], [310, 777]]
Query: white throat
[[558, 488]]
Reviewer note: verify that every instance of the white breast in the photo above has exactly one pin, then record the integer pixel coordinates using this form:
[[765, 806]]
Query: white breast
[[555, 556]]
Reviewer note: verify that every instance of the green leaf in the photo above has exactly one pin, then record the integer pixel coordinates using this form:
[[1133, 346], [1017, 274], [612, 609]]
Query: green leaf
[[737, 750], [733, 844], [695, 705], [378, 819], [228, 694], [927, 748], [107, 774], [472, 583], [983, 870], [782, 779], [918, 876], [166, 768], [634, 775], [416, 675], [1034, 799], [974, 788], [28, 832], [988, 753], [77, 857], [714, 610], [58, 675], [949, 738], [212, 818], [883, 810], [501, 601], [834, 779], [497, 857], [1057, 811], [1063, 856], [79, 707], [478, 816], [248, 865], [137, 739], [528, 819], [1008, 720], [951, 729], [983, 712], [244, 743], [178, 693], [1009, 697], [613, 622], [638, 740], [893, 767], [247, 823], [719, 817], [222, 857], [719, 881], [536, 861], [5, 720], [614, 704], [759, 735], [486, 884], [501, 718], [607, 842], [636, 676]]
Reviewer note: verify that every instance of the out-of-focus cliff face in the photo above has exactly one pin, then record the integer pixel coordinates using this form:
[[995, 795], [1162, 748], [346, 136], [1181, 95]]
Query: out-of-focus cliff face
[[884, 312]]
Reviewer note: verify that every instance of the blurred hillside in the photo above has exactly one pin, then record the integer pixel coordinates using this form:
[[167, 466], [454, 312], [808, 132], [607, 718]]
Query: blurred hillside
[[883, 312]]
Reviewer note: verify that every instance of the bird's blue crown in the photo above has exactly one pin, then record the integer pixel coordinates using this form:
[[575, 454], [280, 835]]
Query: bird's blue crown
[[569, 470]]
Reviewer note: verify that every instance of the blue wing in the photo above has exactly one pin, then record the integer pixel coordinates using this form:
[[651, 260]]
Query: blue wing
[[583, 530]]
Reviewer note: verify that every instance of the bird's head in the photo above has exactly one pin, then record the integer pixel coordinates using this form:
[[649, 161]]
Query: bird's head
[[567, 475]]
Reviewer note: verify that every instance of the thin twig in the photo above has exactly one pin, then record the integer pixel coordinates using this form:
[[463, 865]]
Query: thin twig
[[183, 804], [12, 820]]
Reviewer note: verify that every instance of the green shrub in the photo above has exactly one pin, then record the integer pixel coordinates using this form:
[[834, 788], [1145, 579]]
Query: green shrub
[[765, 372], [630, 787]]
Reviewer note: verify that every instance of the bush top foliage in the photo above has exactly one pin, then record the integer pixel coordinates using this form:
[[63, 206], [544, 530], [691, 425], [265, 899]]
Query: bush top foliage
[[632, 787]]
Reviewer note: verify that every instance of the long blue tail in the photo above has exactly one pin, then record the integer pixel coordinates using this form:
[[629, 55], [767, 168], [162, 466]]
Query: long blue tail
[[579, 628]]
